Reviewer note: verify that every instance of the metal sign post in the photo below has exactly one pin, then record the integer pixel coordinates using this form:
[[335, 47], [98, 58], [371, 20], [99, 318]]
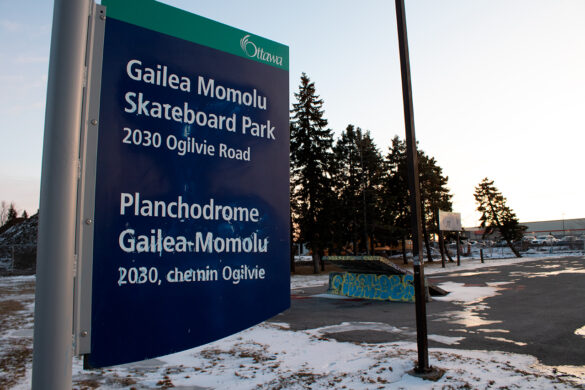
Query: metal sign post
[[56, 239], [458, 248], [414, 189], [422, 367], [164, 201]]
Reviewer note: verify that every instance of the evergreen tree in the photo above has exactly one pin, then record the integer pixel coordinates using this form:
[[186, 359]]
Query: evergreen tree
[[347, 186], [435, 196], [11, 216], [311, 159], [372, 170], [395, 202], [360, 170], [496, 215]]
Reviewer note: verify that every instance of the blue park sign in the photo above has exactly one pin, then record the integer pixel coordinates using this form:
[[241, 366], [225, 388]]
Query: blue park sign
[[191, 234]]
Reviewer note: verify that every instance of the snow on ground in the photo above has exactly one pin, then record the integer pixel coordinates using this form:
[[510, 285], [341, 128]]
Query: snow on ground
[[16, 328], [270, 355], [299, 282]]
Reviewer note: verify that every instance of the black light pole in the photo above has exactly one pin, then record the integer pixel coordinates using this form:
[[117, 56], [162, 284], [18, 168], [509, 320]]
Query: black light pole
[[422, 367]]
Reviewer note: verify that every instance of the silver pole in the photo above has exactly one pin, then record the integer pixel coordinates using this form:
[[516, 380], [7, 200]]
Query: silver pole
[[56, 237]]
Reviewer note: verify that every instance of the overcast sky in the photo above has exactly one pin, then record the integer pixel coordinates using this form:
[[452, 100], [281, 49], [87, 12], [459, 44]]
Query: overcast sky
[[499, 87]]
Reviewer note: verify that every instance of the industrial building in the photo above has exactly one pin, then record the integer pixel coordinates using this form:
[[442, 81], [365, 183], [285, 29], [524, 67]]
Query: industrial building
[[558, 228]]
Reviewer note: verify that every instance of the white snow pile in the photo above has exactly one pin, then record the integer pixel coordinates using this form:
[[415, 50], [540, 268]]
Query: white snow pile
[[269, 356], [272, 356]]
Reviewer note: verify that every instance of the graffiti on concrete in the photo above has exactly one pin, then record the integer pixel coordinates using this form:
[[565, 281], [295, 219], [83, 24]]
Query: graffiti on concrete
[[371, 286]]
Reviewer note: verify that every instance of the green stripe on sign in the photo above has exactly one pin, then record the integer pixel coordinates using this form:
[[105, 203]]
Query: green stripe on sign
[[172, 21]]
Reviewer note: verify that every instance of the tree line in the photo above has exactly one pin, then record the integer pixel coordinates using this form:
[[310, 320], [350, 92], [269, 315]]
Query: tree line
[[346, 195], [9, 215]]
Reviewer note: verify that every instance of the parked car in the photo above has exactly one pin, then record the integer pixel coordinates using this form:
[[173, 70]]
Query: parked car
[[570, 240], [544, 240], [566, 240]]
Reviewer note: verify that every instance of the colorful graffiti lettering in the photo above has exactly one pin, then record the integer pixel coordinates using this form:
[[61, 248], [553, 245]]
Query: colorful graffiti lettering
[[371, 286]]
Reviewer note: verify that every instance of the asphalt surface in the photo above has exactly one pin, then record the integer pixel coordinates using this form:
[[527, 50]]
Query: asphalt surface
[[538, 307]]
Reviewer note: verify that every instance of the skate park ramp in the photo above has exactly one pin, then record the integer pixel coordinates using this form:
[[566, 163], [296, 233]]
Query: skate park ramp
[[374, 277]]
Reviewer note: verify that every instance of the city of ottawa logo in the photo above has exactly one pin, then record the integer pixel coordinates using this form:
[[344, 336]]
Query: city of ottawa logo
[[254, 51]]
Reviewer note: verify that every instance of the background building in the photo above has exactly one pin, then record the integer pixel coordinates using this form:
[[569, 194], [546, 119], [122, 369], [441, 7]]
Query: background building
[[558, 228]]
